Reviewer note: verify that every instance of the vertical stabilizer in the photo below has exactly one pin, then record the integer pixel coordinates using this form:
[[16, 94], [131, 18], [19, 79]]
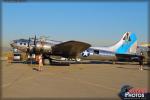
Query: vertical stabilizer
[[127, 44]]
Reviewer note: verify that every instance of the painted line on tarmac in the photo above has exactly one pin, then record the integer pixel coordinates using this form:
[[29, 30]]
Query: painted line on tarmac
[[53, 74], [92, 84], [83, 81], [16, 80], [79, 80]]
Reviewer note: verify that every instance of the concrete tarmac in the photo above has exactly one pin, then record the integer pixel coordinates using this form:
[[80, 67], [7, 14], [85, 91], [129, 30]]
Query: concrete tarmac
[[74, 81]]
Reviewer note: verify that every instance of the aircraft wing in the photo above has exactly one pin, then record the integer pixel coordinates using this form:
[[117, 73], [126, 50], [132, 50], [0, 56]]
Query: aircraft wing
[[69, 49]]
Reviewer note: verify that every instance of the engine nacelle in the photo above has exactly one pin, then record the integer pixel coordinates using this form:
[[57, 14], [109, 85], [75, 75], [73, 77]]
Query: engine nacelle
[[43, 47]]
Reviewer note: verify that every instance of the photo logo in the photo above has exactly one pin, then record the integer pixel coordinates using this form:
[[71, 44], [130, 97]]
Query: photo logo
[[138, 93], [129, 92]]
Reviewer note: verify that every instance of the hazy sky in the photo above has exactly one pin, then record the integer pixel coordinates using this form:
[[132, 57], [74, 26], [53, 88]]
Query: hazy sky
[[98, 23]]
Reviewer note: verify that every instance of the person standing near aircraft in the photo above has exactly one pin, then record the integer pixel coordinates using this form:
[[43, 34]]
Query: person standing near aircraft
[[141, 58], [40, 62]]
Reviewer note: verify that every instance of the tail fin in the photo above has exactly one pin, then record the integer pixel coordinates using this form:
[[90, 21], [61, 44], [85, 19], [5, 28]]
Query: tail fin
[[127, 44]]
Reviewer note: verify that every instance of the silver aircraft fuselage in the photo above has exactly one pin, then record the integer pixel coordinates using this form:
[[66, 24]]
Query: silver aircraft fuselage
[[93, 54], [22, 45]]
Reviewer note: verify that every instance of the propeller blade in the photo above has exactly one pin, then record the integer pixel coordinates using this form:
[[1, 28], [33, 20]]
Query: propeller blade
[[28, 47], [35, 40], [29, 42], [34, 48]]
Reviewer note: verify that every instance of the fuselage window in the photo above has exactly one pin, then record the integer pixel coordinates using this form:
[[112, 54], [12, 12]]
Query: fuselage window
[[24, 43], [20, 43], [96, 51]]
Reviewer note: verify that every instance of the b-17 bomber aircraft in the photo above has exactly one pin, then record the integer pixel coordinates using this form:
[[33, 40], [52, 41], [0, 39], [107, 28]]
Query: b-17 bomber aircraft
[[69, 49]]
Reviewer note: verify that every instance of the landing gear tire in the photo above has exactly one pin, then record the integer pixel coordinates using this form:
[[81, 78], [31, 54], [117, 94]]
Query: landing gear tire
[[78, 59]]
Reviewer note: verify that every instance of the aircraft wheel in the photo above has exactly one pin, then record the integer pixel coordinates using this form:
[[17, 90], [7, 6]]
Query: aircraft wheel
[[78, 59]]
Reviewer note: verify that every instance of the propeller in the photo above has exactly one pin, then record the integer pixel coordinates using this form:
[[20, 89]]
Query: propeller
[[35, 40], [42, 44], [31, 49], [28, 47], [34, 43]]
